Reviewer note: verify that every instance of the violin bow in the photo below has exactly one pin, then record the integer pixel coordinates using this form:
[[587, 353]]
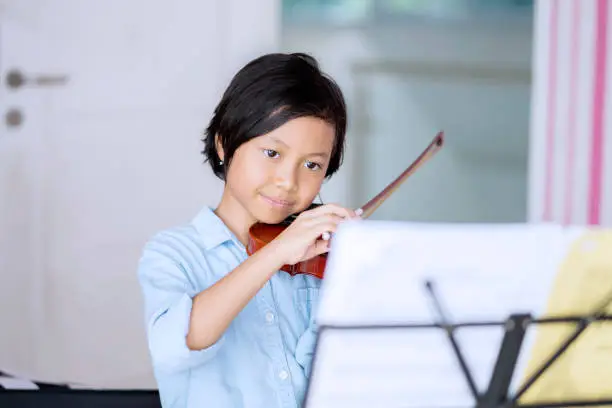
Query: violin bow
[[368, 208]]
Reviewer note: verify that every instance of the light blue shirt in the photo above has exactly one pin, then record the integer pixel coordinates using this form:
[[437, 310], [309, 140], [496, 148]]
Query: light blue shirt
[[261, 361]]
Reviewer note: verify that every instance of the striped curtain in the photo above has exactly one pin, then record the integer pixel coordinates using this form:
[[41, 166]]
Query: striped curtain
[[571, 144]]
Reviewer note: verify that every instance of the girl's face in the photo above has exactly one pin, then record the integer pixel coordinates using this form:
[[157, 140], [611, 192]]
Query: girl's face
[[280, 173]]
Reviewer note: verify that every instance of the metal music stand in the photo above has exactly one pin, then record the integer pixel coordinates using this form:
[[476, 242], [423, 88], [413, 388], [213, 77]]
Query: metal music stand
[[497, 394]]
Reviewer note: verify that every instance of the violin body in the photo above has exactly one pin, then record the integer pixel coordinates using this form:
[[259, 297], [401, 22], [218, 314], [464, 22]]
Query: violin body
[[262, 234]]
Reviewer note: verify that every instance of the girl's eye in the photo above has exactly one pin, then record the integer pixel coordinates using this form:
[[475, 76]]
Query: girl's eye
[[270, 153], [312, 165]]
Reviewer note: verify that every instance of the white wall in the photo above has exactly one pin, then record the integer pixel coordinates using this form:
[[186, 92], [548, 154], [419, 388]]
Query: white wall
[[103, 162], [470, 78]]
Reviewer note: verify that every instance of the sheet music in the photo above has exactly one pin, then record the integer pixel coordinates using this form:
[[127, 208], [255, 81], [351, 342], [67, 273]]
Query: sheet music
[[376, 274], [377, 369]]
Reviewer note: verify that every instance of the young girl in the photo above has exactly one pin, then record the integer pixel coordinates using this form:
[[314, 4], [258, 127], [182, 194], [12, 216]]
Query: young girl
[[229, 330]]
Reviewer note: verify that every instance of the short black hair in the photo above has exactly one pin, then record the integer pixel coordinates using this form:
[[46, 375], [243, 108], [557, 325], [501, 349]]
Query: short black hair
[[265, 94]]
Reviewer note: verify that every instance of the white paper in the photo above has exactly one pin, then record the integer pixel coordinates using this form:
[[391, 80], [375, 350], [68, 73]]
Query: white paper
[[376, 274]]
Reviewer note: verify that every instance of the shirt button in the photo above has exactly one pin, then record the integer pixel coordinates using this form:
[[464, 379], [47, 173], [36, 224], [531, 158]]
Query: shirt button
[[269, 317], [283, 375]]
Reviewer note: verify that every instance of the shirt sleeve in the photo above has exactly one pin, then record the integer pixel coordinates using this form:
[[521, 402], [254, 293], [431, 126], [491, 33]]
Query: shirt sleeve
[[168, 293]]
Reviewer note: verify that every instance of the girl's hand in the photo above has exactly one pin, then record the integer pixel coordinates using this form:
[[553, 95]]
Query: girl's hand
[[303, 239]]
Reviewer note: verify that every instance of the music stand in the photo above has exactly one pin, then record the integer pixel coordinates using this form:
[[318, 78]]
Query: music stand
[[497, 394]]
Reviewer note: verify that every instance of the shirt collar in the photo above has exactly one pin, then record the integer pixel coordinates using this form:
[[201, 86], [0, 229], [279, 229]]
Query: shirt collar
[[212, 229]]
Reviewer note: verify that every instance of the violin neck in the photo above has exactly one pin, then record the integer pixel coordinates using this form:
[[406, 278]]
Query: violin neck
[[371, 206]]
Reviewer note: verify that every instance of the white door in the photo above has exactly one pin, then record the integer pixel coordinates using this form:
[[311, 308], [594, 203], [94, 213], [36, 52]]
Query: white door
[[20, 186], [106, 154]]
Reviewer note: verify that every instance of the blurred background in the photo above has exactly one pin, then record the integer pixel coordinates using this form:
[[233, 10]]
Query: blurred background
[[412, 68], [103, 105]]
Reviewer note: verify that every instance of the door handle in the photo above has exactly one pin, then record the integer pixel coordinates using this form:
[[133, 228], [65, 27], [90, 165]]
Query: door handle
[[15, 79], [13, 118]]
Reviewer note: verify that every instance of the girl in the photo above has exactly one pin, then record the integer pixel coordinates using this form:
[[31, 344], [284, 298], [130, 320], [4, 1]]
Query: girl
[[225, 329]]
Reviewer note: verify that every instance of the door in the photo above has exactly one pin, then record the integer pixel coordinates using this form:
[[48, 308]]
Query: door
[[115, 99], [21, 136]]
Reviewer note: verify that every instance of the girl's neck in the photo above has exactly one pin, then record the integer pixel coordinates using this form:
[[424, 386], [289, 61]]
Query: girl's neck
[[235, 217]]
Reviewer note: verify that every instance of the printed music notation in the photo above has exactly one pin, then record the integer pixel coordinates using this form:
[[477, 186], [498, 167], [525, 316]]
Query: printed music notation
[[376, 275]]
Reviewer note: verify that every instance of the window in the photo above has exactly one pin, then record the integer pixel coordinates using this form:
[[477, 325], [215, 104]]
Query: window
[[327, 11], [339, 12]]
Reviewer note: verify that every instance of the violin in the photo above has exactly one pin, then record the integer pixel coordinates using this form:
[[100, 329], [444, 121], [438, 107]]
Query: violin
[[261, 234]]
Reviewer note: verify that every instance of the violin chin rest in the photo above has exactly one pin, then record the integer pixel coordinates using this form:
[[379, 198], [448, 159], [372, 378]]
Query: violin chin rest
[[287, 221]]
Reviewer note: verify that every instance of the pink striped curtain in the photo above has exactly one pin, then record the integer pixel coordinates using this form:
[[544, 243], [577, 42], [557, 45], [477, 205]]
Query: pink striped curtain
[[571, 142]]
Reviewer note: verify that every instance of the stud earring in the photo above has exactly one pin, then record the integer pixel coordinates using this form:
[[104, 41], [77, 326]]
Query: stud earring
[[221, 162]]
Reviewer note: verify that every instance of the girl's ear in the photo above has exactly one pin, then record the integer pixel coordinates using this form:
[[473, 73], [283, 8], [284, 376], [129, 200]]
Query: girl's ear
[[219, 147]]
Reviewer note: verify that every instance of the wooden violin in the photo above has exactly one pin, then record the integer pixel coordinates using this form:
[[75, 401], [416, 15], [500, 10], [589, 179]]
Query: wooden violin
[[261, 234]]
